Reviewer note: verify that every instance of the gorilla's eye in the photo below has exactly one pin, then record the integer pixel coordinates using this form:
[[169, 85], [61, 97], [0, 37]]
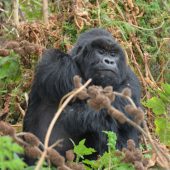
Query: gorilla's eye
[[101, 51], [113, 54]]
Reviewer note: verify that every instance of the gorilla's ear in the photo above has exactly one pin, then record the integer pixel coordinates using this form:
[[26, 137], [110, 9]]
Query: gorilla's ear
[[79, 49], [81, 52]]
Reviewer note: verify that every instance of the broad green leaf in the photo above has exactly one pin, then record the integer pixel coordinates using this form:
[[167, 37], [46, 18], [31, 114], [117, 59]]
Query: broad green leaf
[[125, 166], [82, 150], [90, 163], [104, 160], [9, 68], [14, 164], [163, 129], [100, 163], [156, 105], [8, 154], [166, 88], [164, 97]]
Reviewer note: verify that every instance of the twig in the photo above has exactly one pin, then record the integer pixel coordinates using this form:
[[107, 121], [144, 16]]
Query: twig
[[98, 12], [144, 58], [148, 29], [21, 110], [139, 71], [130, 100], [163, 69], [64, 98], [57, 143]]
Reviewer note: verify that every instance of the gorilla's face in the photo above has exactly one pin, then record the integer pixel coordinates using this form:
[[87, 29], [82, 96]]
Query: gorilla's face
[[103, 60]]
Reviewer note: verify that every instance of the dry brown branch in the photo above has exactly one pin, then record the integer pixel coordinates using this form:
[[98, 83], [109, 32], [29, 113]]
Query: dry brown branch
[[144, 57], [81, 15], [139, 71], [21, 110]]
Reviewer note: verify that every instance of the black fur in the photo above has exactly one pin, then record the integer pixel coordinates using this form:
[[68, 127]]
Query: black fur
[[98, 56]]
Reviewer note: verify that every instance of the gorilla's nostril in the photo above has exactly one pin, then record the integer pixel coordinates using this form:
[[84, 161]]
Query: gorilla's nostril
[[108, 61]]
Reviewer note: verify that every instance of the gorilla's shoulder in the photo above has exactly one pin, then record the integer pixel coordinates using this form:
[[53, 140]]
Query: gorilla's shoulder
[[52, 55]]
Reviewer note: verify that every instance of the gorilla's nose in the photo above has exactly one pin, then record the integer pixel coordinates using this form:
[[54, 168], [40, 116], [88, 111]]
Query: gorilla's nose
[[108, 61]]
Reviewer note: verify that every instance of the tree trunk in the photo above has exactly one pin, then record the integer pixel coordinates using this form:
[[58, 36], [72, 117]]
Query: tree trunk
[[15, 12], [45, 11]]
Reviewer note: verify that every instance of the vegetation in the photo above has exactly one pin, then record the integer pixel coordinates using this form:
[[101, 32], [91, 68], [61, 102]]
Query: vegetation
[[8, 157], [142, 28]]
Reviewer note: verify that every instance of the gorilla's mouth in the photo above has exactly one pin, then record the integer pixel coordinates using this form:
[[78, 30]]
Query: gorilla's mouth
[[107, 70]]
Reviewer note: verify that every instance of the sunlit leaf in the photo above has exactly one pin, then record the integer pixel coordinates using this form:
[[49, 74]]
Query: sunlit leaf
[[163, 129], [156, 105]]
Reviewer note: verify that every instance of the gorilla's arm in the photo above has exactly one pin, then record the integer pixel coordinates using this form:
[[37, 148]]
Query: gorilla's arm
[[54, 75], [53, 79], [93, 121], [126, 131], [83, 122]]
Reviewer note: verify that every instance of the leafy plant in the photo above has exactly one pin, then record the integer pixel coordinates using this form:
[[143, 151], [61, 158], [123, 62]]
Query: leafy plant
[[35, 9], [81, 150], [160, 107], [10, 74], [70, 30], [8, 158], [108, 159], [10, 68]]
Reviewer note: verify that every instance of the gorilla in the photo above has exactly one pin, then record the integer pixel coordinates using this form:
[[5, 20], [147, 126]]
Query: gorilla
[[95, 55]]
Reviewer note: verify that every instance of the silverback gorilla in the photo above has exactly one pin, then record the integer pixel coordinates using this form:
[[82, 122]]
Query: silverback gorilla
[[98, 56]]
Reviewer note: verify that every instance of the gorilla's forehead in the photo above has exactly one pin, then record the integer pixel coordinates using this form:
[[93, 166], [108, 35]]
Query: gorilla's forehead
[[103, 42], [96, 37], [94, 34]]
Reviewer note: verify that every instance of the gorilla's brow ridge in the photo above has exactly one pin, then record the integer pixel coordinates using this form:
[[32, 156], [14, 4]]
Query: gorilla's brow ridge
[[112, 46]]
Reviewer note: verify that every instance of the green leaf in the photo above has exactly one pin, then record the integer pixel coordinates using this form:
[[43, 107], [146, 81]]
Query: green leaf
[[91, 163], [164, 97], [100, 163], [104, 160], [14, 164], [111, 140], [166, 88], [108, 158], [82, 150], [125, 166], [163, 129], [9, 68], [8, 154], [156, 105]]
